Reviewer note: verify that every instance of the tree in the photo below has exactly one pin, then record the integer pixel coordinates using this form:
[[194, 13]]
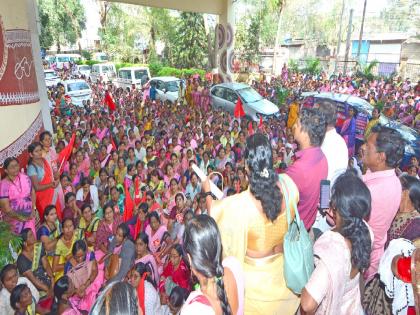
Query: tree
[[62, 21], [247, 39], [190, 44], [124, 25]]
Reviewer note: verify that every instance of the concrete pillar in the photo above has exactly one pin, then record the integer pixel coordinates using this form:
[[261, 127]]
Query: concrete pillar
[[225, 34], [22, 86]]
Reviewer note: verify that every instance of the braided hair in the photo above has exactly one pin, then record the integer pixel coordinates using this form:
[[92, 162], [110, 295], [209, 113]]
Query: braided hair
[[352, 200], [203, 243]]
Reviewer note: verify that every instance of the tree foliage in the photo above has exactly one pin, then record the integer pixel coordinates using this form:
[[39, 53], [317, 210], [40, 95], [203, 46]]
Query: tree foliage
[[190, 43], [62, 22], [247, 39]]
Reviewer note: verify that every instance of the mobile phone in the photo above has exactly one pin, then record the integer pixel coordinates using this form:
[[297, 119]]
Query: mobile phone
[[324, 198]]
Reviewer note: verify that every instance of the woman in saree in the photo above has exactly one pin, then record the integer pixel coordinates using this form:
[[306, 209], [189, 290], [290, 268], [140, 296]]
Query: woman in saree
[[334, 286], [49, 232], [17, 198], [82, 269], [82, 162], [221, 159], [205, 98], [256, 237], [143, 255], [107, 228], [188, 93], [175, 273], [33, 264], [88, 226], [348, 131], [169, 196], [147, 295], [63, 291], [293, 113], [122, 256], [63, 248], [406, 223], [41, 174], [48, 151], [169, 174], [88, 194], [155, 231]]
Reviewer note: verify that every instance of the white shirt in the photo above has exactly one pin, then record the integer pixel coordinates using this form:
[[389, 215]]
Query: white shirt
[[140, 154], [93, 195], [5, 308], [335, 149]]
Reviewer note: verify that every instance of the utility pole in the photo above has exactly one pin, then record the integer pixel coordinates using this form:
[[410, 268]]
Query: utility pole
[[339, 36], [359, 46], [349, 30]]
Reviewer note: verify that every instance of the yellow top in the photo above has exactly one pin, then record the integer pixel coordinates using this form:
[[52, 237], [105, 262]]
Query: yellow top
[[243, 227], [293, 114]]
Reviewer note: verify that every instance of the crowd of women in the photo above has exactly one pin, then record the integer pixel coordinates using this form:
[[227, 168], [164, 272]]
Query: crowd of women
[[113, 219]]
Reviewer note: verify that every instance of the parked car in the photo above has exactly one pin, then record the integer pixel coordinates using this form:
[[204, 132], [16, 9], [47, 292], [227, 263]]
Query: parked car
[[167, 88], [364, 110], [82, 70], [51, 78], [224, 97], [132, 75], [104, 72], [78, 90]]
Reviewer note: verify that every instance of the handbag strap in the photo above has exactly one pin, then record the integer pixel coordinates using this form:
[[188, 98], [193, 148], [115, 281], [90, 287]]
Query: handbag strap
[[286, 195]]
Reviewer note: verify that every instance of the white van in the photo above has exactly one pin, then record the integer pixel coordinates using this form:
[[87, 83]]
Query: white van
[[104, 72], [132, 75], [62, 60], [100, 56]]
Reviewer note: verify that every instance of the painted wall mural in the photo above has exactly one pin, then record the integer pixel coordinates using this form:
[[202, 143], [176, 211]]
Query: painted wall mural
[[20, 108]]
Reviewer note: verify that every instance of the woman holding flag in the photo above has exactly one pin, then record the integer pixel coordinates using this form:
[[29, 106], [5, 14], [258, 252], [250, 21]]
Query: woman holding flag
[[41, 174]]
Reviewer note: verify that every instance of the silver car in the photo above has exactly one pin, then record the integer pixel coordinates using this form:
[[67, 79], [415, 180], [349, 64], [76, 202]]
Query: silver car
[[224, 97]]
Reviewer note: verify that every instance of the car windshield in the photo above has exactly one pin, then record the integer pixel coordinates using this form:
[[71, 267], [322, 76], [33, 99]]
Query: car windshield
[[63, 59], [107, 69], [50, 75], [140, 74], [172, 86], [77, 86], [84, 68], [249, 95]]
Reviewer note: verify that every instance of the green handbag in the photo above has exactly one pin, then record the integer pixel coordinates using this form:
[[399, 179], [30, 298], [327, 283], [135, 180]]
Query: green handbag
[[298, 252]]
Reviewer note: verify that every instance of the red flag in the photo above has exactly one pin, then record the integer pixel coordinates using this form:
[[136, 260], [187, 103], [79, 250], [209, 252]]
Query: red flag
[[250, 129], [64, 155], [128, 205], [261, 123], [109, 101], [239, 110], [114, 147], [137, 198]]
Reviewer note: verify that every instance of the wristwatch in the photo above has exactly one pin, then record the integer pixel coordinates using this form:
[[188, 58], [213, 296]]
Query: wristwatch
[[209, 193]]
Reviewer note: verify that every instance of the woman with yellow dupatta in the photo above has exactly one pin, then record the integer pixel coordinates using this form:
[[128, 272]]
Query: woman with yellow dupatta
[[188, 93], [63, 248], [253, 224]]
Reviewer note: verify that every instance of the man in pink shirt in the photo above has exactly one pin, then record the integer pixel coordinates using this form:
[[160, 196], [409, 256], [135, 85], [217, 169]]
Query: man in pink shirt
[[382, 153], [310, 166]]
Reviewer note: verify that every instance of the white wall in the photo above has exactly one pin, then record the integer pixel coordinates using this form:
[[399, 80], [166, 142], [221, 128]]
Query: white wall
[[385, 52]]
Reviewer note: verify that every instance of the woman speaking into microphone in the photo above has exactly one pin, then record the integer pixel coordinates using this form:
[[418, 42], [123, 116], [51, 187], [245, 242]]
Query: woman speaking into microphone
[[252, 226]]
